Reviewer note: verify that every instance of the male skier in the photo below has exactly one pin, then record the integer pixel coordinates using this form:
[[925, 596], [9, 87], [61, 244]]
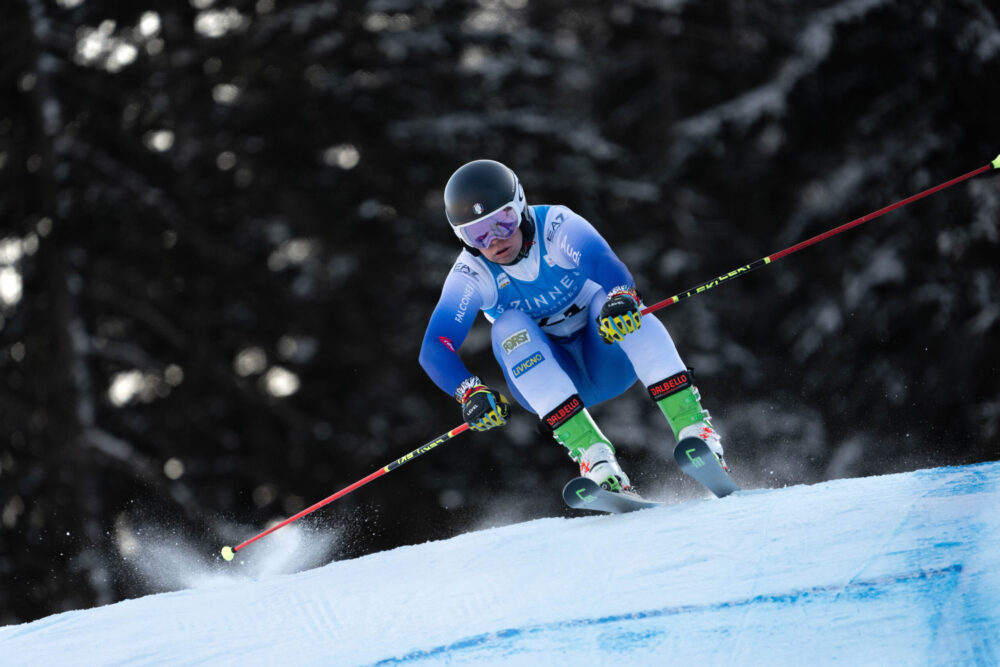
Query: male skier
[[566, 323]]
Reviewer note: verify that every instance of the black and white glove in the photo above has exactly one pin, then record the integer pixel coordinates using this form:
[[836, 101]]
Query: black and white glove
[[484, 408], [620, 315]]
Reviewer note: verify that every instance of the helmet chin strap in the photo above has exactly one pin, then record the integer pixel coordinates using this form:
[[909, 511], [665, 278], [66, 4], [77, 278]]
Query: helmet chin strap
[[527, 235]]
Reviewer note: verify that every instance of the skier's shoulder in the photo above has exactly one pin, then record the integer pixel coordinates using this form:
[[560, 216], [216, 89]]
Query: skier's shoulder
[[546, 214], [549, 218], [469, 266], [561, 222], [471, 275]]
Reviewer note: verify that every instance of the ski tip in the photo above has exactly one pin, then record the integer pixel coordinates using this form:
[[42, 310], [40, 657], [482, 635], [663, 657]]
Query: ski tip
[[996, 163]]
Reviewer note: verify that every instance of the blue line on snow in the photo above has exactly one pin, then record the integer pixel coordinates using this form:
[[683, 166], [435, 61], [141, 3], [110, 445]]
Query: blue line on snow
[[867, 588]]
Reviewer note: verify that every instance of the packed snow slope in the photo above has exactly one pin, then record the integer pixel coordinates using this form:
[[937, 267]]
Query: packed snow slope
[[896, 570]]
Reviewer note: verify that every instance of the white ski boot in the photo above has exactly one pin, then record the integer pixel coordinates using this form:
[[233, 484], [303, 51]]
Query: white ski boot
[[705, 431], [598, 463]]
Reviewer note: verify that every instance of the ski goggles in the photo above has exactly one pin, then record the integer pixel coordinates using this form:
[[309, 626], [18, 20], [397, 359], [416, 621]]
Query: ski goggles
[[500, 224]]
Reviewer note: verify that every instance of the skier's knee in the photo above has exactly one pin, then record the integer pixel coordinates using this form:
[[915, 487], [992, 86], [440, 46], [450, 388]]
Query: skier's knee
[[512, 329]]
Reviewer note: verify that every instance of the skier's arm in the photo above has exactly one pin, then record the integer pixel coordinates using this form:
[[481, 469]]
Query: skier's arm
[[582, 246], [456, 310], [449, 325], [576, 244]]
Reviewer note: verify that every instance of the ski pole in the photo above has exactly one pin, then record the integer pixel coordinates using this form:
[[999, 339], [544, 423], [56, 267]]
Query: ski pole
[[735, 273], [229, 552]]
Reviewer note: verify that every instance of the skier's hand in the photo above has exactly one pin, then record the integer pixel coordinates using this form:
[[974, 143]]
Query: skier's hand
[[620, 315], [483, 408]]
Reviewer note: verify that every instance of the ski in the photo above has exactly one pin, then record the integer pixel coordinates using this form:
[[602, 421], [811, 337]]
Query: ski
[[697, 460], [585, 494]]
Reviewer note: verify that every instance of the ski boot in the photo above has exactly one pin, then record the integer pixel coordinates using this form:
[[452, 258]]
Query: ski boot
[[680, 402], [574, 428], [705, 431], [598, 463]]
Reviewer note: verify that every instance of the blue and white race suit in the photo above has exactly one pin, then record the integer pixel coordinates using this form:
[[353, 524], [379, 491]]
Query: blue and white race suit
[[544, 312]]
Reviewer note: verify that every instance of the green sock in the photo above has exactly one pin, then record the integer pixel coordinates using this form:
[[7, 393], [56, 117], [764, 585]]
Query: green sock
[[579, 432]]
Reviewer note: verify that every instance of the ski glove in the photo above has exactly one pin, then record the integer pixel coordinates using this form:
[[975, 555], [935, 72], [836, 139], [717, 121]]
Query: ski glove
[[620, 315], [483, 408]]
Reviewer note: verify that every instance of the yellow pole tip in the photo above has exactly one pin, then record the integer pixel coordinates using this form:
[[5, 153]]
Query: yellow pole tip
[[227, 553], [996, 163]]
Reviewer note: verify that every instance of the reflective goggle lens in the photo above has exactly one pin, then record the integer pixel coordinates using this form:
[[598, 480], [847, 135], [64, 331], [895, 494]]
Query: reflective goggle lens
[[500, 225]]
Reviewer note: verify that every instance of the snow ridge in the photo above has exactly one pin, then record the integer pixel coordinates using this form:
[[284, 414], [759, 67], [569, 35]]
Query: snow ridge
[[899, 569]]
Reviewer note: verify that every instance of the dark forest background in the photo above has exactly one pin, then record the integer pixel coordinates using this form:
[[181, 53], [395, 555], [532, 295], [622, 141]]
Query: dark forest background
[[221, 235]]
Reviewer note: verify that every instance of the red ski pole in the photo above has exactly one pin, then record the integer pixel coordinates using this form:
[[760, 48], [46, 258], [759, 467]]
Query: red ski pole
[[735, 273], [229, 552]]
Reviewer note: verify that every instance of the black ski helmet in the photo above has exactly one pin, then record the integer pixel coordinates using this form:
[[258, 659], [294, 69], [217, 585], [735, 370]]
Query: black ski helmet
[[480, 188]]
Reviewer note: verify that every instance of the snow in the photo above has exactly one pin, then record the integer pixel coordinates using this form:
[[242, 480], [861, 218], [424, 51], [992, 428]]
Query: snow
[[894, 570]]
